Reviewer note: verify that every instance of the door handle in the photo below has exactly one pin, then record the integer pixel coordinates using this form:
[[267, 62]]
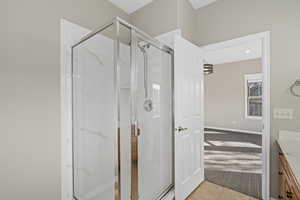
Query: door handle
[[180, 129]]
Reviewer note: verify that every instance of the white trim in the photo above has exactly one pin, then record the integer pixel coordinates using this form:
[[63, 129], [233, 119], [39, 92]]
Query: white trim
[[253, 117], [245, 51], [256, 76], [70, 34], [168, 38], [267, 112], [264, 38], [234, 130], [250, 78], [236, 41]]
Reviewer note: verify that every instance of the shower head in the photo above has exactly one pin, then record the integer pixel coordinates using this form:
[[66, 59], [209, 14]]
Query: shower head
[[143, 47], [148, 103]]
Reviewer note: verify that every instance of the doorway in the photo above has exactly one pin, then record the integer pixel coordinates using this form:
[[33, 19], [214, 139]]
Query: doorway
[[237, 145]]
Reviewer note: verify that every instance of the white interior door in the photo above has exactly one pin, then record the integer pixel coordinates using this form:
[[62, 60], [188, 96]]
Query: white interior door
[[189, 123]]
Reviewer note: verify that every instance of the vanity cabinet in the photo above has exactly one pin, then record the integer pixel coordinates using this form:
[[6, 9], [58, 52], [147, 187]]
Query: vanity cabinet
[[289, 188]]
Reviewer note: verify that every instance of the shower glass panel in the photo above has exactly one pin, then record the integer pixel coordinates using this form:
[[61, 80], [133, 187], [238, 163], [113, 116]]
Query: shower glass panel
[[154, 116], [122, 115], [94, 118]]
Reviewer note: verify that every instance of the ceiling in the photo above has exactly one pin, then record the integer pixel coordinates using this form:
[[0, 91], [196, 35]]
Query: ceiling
[[201, 3], [130, 6], [245, 51]]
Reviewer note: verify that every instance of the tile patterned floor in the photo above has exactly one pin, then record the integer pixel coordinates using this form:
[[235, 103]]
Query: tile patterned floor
[[210, 191]]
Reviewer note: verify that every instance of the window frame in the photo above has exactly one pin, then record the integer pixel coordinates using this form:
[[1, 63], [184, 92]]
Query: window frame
[[257, 77]]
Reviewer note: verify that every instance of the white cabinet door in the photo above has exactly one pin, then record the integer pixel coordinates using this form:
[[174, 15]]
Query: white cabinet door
[[189, 123]]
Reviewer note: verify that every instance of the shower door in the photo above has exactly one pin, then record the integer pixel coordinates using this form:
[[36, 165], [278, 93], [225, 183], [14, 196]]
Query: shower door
[[122, 115], [152, 120]]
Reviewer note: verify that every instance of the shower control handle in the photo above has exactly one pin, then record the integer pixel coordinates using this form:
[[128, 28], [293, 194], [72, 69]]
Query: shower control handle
[[180, 129]]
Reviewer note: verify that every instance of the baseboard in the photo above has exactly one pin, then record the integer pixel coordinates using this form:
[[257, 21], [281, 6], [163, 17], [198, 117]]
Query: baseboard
[[234, 130]]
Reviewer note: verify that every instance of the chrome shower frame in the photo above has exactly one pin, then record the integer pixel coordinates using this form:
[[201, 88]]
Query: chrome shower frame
[[135, 35]]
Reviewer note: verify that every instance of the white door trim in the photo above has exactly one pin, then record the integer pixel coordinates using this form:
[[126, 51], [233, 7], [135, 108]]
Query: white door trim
[[70, 33], [264, 38]]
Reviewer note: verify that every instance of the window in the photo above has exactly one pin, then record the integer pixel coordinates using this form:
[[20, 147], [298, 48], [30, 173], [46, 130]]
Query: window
[[253, 96]]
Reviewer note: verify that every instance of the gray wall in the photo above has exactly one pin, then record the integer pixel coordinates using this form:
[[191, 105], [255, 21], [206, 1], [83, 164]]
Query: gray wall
[[162, 16], [30, 91], [186, 20], [158, 17], [230, 19], [224, 96]]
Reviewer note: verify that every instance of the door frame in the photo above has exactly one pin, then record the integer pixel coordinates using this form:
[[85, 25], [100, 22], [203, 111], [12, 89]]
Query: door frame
[[264, 39]]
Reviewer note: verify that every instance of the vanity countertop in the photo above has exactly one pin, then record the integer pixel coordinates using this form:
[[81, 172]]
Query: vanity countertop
[[289, 143]]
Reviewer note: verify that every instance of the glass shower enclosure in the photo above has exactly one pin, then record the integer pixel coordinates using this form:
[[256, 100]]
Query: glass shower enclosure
[[122, 115]]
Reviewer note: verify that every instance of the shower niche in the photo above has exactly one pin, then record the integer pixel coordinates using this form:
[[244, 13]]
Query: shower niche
[[122, 98]]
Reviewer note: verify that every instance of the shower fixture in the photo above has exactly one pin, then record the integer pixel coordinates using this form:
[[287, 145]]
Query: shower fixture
[[111, 73], [148, 103], [208, 68]]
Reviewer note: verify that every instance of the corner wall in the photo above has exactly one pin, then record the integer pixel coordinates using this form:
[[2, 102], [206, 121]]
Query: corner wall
[[187, 20], [30, 142], [158, 17], [162, 16]]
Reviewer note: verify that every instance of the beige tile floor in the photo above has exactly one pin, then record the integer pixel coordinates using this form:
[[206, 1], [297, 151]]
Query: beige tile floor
[[210, 191]]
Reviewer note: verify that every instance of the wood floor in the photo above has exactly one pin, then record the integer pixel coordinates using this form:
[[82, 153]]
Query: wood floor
[[210, 191], [233, 160]]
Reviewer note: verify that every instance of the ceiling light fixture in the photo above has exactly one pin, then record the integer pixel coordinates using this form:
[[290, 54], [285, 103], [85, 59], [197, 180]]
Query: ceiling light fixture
[[208, 68]]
